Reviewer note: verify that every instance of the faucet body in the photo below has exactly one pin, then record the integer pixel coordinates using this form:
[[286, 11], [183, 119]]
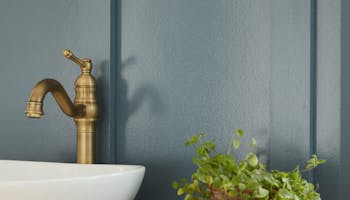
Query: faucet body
[[84, 110]]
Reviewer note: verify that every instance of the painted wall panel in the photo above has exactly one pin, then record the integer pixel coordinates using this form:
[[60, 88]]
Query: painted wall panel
[[182, 67], [205, 66], [192, 66], [290, 84], [328, 97], [32, 36], [345, 101]]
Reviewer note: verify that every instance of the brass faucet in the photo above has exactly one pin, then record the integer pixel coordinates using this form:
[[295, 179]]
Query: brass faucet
[[84, 110]]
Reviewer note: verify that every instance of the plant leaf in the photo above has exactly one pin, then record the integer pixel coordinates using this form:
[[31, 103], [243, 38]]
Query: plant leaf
[[261, 193], [180, 191], [253, 142], [236, 144], [175, 185], [241, 186], [252, 159], [239, 132], [285, 194]]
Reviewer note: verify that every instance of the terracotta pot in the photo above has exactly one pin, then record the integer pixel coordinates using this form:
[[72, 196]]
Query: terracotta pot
[[220, 195]]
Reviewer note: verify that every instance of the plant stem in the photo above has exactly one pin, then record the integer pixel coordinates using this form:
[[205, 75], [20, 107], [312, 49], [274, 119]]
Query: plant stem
[[230, 144]]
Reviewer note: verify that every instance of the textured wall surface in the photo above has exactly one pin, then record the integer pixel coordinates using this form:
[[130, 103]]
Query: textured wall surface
[[345, 100], [290, 83], [192, 66], [328, 98], [181, 67], [33, 34]]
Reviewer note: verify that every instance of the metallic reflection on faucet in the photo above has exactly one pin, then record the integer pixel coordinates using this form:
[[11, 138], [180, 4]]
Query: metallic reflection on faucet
[[84, 109]]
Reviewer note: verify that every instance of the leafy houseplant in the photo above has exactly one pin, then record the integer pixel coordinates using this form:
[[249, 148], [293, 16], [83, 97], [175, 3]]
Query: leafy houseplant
[[220, 177]]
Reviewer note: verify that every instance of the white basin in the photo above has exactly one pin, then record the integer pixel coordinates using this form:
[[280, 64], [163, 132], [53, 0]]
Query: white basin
[[28, 180]]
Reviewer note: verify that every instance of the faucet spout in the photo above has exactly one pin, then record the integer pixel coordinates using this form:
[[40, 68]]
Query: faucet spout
[[34, 107]]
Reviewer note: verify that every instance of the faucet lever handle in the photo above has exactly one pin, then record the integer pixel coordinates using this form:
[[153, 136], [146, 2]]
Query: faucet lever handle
[[84, 64]]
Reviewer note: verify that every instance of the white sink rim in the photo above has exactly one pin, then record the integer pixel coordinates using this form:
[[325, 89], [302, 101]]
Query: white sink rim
[[56, 181], [127, 169]]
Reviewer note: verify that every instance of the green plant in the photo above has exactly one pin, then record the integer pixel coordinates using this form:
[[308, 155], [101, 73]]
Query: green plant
[[220, 177]]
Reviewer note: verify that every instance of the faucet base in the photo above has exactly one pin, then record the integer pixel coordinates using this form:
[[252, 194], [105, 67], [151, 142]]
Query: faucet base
[[85, 140]]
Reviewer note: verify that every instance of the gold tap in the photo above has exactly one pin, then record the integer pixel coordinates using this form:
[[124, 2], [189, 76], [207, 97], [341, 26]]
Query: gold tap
[[84, 110]]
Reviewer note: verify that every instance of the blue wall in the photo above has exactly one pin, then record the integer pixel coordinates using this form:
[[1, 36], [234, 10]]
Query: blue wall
[[32, 37], [169, 69], [329, 87], [190, 66]]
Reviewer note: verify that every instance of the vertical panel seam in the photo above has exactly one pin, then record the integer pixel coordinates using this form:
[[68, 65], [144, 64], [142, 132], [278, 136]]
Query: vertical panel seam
[[112, 88], [313, 81]]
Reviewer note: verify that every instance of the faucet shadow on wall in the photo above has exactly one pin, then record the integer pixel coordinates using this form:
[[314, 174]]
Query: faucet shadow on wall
[[126, 107]]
